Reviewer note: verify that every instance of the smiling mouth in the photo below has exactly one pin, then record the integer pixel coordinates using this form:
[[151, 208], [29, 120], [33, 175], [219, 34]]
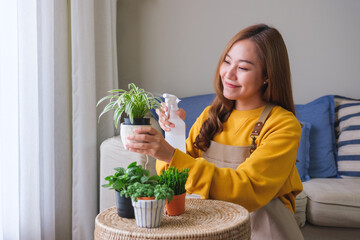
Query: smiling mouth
[[229, 85]]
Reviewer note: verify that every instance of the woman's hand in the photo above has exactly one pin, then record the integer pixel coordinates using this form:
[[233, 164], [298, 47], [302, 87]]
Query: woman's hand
[[163, 120], [150, 142]]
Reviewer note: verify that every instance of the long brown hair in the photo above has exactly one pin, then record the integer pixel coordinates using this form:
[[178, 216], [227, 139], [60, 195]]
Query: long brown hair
[[276, 69]]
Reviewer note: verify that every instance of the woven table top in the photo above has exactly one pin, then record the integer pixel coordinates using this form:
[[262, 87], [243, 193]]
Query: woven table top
[[203, 219]]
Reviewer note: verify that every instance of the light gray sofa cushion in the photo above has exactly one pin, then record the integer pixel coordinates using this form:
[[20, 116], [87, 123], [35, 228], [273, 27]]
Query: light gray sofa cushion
[[312, 232], [333, 202]]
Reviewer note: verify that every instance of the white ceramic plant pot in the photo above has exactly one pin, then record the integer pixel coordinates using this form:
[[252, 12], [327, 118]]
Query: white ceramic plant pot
[[127, 129], [148, 213]]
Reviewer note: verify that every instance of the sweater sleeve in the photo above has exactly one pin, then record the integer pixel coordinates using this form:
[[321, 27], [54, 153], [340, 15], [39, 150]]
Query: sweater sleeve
[[190, 150], [268, 173]]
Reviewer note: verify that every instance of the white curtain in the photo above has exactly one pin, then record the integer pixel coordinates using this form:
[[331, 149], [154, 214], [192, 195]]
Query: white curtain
[[57, 58]]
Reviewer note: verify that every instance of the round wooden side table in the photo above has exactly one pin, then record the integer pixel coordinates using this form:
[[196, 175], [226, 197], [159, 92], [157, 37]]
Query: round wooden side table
[[203, 219]]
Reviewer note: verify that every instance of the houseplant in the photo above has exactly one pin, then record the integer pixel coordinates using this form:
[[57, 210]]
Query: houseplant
[[148, 200], [135, 103], [176, 180], [121, 180]]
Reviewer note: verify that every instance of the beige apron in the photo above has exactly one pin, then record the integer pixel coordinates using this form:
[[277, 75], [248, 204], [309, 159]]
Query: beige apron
[[274, 221]]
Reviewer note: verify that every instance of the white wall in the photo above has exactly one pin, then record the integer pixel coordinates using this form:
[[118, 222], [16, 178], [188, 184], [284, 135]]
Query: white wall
[[174, 45]]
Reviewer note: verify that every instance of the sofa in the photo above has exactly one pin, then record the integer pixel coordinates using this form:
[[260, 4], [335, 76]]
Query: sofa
[[328, 164]]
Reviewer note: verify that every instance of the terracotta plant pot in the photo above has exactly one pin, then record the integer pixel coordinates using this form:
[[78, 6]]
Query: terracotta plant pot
[[146, 198], [148, 213], [177, 206]]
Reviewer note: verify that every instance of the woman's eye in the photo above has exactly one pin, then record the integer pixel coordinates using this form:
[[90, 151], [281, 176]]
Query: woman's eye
[[226, 61], [242, 68]]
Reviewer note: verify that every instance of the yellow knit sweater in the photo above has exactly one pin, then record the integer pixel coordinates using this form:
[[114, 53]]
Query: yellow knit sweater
[[269, 172]]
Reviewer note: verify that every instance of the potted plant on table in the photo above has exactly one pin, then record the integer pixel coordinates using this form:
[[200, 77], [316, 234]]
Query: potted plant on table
[[121, 180], [135, 103], [176, 180], [148, 200]]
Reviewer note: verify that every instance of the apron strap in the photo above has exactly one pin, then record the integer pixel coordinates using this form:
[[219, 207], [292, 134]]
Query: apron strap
[[259, 125]]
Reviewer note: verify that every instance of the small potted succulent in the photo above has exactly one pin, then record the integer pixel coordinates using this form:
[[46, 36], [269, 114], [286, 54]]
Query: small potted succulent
[[148, 200], [121, 180], [176, 180], [135, 103]]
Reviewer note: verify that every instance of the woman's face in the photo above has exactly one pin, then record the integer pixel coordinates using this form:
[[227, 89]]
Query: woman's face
[[242, 75]]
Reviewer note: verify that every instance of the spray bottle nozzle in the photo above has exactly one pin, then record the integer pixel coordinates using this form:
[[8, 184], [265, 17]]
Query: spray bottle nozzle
[[170, 98], [171, 102]]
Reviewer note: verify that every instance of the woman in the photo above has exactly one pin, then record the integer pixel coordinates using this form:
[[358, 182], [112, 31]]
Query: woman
[[243, 147]]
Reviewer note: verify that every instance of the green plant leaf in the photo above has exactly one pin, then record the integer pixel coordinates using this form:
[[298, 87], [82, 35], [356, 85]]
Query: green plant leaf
[[133, 164], [154, 178], [108, 178], [134, 178], [107, 108], [133, 87], [103, 99], [147, 172], [117, 115], [144, 179], [117, 90], [118, 185], [120, 170]]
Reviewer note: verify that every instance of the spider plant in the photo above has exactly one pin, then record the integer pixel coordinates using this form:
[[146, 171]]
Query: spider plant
[[135, 103]]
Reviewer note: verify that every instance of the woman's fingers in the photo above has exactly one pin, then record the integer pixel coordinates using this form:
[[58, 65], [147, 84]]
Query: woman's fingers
[[145, 135], [164, 122], [181, 113], [147, 130], [147, 140], [162, 110], [163, 119]]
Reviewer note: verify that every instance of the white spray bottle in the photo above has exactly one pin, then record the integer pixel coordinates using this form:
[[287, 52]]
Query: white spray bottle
[[176, 136]]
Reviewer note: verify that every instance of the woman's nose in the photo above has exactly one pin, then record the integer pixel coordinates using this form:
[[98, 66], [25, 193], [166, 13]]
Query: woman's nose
[[231, 73]]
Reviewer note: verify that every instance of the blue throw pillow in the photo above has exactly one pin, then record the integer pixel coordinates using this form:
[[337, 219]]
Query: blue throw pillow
[[194, 106], [320, 113], [303, 155], [347, 127]]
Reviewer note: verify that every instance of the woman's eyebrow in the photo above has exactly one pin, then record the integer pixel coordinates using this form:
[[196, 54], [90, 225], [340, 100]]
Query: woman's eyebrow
[[241, 60], [247, 61]]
